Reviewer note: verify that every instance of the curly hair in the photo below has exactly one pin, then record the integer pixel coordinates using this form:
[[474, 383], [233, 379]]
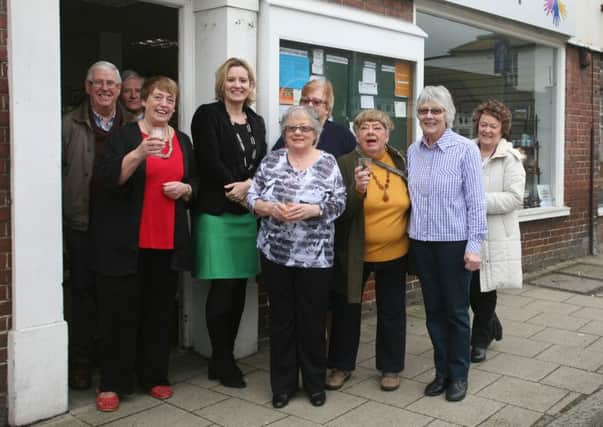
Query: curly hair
[[496, 109]]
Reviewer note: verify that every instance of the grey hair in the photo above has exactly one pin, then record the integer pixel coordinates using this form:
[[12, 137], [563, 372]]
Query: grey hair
[[309, 112], [131, 74], [102, 65], [441, 96]]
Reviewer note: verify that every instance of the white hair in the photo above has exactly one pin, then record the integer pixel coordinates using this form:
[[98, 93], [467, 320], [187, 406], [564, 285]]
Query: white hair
[[103, 65], [441, 96]]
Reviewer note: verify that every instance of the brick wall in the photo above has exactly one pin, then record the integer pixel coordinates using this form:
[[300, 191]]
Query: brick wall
[[5, 232], [396, 8], [548, 241]]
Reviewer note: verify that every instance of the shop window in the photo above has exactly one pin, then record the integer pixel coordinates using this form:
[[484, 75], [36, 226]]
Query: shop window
[[475, 65], [360, 81]]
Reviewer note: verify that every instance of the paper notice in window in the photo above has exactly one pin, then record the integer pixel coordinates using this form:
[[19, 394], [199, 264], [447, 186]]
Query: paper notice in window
[[402, 79], [369, 75], [367, 101], [399, 108], [545, 196], [368, 88]]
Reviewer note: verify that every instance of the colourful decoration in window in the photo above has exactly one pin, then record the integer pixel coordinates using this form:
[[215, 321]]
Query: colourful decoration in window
[[557, 9]]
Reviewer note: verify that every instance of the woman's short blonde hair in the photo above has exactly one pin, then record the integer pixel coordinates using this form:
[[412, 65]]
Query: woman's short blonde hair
[[222, 72], [162, 83], [373, 116], [327, 90]]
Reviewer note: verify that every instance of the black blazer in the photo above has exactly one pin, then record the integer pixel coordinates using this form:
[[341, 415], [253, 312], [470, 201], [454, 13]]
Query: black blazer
[[116, 210], [219, 157]]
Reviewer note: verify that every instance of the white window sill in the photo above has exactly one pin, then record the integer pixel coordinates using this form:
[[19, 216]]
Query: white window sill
[[534, 214]]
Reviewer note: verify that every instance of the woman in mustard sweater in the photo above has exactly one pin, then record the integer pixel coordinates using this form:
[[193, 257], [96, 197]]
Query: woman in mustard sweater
[[371, 237]]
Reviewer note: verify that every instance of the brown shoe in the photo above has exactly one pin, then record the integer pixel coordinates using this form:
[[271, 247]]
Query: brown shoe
[[390, 381], [336, 379]]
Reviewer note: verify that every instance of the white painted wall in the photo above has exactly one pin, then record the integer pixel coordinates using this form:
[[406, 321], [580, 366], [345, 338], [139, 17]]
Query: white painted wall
[[37, 343], [589, 32]]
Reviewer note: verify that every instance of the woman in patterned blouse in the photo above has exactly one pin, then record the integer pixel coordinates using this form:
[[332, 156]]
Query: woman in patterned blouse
[[298, 192]]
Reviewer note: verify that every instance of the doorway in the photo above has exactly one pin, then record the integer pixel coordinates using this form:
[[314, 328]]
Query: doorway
[[132, 34]]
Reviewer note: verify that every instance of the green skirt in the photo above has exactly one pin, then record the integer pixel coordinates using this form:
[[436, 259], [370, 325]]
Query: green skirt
[[225, 246]]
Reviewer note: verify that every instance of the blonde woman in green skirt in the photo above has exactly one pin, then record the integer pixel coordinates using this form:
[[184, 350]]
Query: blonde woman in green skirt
[[230, 142]]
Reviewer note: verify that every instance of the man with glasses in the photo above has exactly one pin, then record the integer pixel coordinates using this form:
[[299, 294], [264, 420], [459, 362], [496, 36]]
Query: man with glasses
[[84, 133], [334, 139]]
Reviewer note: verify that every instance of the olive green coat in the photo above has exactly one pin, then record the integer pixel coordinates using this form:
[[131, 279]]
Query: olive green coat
[[349, 229]]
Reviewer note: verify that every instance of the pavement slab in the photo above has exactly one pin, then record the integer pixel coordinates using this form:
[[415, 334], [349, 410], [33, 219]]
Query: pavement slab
[[416, 344], [415, 365], [556, 320], [469, 412], [574, 380], [518, 314], [373, 413], [594, 327], [547, 294], [525, 394], [560, 406], [228, 414], [258, 388], [66, 420], [568, 282], [589, 313], [520, 329], [562, 337], [512, 416], [572, 356], [191, 398], [512, 300], [586, 301], [544, 306], [519, 346], [292, 421], [162, 416], [127, 406], [409, 391], [338, 403], [590, 271], [519, 367]]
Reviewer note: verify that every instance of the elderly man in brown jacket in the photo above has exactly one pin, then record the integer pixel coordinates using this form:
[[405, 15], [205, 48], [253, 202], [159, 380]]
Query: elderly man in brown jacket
[[85, 131]]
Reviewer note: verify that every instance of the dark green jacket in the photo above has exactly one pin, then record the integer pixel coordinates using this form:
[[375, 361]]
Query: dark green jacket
[[349, 229]]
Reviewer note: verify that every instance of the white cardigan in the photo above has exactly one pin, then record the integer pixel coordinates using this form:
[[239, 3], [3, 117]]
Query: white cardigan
[[504, 181]]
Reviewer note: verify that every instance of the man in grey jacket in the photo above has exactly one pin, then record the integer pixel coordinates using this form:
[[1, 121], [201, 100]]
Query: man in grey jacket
[[85, 131]]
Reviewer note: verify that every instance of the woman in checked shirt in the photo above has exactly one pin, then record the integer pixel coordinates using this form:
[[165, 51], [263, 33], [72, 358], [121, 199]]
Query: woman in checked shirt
[[447, 227]]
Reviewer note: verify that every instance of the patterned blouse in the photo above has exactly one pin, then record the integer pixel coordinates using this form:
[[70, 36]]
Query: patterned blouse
[[307, 243]]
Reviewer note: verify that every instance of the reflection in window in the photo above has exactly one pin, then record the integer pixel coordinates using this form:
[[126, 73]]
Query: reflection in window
[[476, 65]]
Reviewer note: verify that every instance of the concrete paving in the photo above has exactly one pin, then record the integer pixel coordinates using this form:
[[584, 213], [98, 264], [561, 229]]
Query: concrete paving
[[547, 370]]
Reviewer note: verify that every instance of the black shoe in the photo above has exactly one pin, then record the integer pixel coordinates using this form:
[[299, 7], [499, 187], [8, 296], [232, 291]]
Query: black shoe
[[80, 378], [497, 329], [437, 386], [280, 400], [478, 354], [456, 390], [318, 399], [233, 381]]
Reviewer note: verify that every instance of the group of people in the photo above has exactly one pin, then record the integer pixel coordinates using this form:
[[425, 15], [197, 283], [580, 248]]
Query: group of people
[[333, 208]]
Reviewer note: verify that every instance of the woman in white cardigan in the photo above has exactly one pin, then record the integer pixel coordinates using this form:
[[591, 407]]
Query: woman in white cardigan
[[504, 181]]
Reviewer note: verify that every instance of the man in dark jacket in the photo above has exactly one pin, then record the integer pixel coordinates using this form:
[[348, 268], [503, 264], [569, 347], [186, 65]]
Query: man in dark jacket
[[85, 131]]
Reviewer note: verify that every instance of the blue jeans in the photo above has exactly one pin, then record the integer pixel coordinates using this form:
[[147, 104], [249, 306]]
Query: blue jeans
[[445, 286]]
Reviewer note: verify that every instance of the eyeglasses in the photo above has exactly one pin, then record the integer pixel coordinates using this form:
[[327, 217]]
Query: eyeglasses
[[311, 101], [302, 128], [434, 111], [99, 83]]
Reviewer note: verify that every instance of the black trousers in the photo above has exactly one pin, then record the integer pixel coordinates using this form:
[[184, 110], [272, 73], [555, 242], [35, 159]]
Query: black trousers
[[223, 310], [445, 286], [485, 320], [298, 306], [135, 313], [390, 345], [82, 288]]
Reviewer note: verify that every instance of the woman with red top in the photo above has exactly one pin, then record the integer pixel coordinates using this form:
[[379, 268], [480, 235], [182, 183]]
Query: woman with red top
[[141, 243]]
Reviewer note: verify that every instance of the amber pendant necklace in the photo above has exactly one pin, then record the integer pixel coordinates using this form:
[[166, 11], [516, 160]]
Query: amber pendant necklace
[[382, 187]]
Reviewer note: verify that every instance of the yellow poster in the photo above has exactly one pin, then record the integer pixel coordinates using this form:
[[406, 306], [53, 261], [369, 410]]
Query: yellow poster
[[402, 79], [286, 96]]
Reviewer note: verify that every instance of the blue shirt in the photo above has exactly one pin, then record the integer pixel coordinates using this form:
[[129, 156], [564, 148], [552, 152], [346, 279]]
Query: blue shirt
[[447, 191]]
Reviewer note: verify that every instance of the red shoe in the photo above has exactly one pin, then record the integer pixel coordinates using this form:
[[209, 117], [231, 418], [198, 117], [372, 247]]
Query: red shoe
[[161, 392], [107, 401]]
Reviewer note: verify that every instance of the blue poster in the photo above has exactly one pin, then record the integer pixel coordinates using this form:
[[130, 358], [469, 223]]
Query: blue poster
[[294, 70]]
